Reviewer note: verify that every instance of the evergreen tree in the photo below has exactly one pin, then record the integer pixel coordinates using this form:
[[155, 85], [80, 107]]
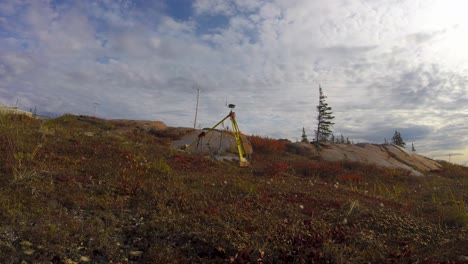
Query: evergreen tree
[[398, 140], [324, 118], [342, 139], [412, 147], [304, 136], [332, 138]]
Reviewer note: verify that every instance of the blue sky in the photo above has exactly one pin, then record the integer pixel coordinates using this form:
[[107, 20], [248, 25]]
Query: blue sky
[[384, 65]]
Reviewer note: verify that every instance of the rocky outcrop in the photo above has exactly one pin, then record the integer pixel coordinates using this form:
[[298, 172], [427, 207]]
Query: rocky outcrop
[[220, 144], [385, 155]]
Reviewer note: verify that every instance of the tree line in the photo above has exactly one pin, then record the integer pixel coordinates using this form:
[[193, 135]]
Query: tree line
[[324, 132]]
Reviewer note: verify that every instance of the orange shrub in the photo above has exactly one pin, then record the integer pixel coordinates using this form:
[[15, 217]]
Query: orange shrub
[[267, 145], [277, 168]]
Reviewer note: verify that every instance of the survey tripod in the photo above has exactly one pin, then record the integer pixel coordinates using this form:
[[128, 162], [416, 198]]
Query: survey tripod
[[243, 162]]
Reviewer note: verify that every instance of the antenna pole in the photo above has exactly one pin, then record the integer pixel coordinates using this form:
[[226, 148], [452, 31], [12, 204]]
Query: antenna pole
[[196, 108], [95, 108]]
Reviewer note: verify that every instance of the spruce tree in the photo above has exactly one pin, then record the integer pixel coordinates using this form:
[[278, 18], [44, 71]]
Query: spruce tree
[[398, 140], [412, 147], [304, 136], [324, 118]]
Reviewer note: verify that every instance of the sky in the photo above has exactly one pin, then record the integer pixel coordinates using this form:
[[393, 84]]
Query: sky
[[384, 65]]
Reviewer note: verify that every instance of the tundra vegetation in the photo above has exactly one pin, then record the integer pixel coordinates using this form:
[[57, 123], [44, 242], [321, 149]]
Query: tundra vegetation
[[78, 189]]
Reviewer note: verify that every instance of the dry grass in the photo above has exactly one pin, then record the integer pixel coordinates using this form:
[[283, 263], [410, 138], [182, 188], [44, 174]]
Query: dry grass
[[67, 195]]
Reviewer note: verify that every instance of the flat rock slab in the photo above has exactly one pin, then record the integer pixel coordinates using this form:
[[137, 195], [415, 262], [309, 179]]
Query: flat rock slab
[[219, 143], [385, 155]]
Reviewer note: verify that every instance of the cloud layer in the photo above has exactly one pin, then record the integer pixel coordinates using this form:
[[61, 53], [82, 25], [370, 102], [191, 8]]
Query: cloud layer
[[384, 65]]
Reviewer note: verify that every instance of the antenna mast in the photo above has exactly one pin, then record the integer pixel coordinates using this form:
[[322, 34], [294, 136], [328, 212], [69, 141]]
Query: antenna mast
[[196, 108], [95, 108]]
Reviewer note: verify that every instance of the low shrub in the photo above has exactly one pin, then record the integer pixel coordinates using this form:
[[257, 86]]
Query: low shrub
[[267, 145], [313, 168], [453, 171], [277, 168]]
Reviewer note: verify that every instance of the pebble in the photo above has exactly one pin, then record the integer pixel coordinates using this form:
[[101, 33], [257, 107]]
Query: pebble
[[84, 259], [29, 251], [26, 243], [136, 253]]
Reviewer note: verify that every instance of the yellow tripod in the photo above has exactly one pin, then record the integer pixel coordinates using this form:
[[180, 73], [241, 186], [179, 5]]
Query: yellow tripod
[[243, 162]]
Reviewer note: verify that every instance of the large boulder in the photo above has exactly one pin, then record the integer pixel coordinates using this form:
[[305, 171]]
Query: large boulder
[[220, 144]]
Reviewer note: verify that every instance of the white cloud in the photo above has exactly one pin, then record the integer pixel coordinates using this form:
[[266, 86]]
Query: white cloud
[[169, 26], [10, 7]]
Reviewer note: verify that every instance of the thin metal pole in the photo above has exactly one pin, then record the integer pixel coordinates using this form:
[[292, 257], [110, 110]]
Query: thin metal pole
[[95, 108], [196, 109]]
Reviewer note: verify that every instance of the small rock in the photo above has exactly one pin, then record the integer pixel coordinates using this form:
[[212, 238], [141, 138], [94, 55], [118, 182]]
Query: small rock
[[29, 251], [26, 243], [135, 253], [84, 259]]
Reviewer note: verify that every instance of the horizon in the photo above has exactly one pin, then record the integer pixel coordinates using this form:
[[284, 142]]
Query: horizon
[[449, 155]]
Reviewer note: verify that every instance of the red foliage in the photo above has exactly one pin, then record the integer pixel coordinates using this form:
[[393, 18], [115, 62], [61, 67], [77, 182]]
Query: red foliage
[[183, 162], [267, 145], [277, 168], [351, 177], [132, 173]]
